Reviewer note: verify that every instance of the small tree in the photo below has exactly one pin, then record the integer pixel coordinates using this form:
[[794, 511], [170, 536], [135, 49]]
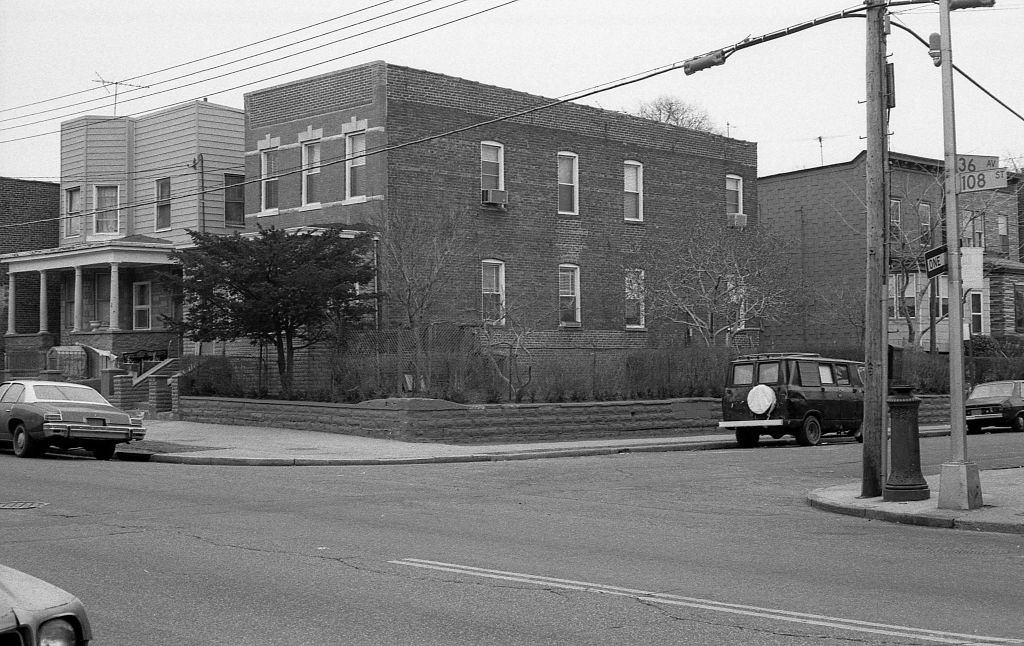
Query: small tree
[[716, 279], [286, 290], [675, 111]]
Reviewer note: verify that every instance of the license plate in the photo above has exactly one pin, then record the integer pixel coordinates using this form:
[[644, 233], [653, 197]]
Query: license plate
[[95, 421]]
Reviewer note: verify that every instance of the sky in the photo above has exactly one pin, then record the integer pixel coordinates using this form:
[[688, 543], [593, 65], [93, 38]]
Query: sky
[[799, 97]]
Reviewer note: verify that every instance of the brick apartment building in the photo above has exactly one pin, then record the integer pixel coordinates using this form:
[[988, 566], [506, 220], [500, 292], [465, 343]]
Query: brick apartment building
[[130, 188], [554, 198], [29, 213], [822, 209]]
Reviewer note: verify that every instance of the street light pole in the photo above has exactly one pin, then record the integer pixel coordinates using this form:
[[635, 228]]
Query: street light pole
[[959, 481]]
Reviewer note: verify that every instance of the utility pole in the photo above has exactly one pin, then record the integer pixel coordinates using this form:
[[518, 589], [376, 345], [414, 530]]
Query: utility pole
[[959, 481], [874, 424]]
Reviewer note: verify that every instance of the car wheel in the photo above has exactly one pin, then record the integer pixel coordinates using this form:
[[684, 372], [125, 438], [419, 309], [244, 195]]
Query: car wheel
[[747, 439], [1018, 423], [24, 445], [858, 434], [809, 433], [103, 451]]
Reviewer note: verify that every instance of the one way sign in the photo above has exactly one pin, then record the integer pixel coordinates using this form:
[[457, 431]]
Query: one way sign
[[936, 261]]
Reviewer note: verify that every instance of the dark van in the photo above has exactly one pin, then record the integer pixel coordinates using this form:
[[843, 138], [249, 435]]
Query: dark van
[[798, 394]]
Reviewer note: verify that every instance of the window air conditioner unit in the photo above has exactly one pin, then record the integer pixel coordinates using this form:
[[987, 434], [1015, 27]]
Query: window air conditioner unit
[[494, 196], [736, 220]]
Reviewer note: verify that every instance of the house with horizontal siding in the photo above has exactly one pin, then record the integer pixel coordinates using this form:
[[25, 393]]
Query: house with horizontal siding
[[131, 188]]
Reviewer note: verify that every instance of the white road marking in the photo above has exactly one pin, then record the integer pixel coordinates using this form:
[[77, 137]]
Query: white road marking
[[936, 636]]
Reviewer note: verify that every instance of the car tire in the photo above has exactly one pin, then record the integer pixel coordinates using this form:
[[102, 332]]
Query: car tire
[[103, 451], [858, 434], [24, 445], [809, 433], [1018, 424], [747, 438]]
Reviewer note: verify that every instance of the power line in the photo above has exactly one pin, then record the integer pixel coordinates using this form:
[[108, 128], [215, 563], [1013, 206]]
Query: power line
[[208, 69], [197, 60], [275, 60]]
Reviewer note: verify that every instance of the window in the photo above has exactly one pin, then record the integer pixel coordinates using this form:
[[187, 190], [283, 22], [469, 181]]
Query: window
[[825, 374], [568, 183], [492, 166], [939, 306], [895, 220], [73, 211], [355, 167], [903, 304], [924, 218], [976, 313], [310, 172], [633, 191], [972, 229], [568, 295], [268, 186], [808, 371], [163, 204], [635, 298], [842, 374], [106, 218], [1018, 308], [743, 374], [142, 299], [733, 194], [768, 372], [1004, 234], [234, 200], [492, 291]]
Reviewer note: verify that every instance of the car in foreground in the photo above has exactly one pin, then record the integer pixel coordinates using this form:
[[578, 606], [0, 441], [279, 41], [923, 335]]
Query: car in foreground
[[36, 415], [36, 613], [798, 394], [995, 403]]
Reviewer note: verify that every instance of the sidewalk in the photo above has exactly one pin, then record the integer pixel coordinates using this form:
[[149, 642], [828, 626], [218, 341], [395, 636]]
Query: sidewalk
[[222, 444]]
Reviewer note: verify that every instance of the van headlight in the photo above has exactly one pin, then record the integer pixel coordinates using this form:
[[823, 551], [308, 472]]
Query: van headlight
[[57, 632]]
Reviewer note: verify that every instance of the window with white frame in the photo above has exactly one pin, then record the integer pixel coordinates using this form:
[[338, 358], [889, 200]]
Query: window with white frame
[[492, 167], [733, 194], [142, 306], [268, 185], [895, 219], [311, 172], [939, 304], [106, 218], [568, 295], [633, 191], [635, 298], [972, 228], [976, 313], [492, 291], [1004, 233], [163, 204], [568, 183], [903, 296], [73, 211], [355, 166], [924, 219], [234, 200]]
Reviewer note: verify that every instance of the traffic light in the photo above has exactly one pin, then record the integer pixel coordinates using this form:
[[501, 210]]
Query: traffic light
[[970, 4], [698, 63], [935, 49]]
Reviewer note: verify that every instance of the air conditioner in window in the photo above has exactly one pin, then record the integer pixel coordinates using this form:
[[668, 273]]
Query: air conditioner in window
[[736, 220], [494, 196]]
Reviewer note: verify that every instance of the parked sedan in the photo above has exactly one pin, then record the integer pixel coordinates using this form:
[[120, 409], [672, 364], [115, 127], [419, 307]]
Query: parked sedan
[[36, 415], [34, 612], [995, 403]]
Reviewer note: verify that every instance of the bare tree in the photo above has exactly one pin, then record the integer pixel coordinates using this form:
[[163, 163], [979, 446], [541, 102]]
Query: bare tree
[[717, 279], [508, 340], [419, 253], [675, 111]]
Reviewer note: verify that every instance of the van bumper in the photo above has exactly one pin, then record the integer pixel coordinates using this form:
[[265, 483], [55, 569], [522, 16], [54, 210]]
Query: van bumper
[[746, 423]]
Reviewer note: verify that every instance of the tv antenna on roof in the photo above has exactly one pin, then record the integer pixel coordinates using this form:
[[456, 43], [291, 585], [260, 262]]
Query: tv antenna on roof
[[99, 79]]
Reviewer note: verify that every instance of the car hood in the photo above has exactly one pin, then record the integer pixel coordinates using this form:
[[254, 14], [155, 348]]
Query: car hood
[[986, 401], [24, 594]]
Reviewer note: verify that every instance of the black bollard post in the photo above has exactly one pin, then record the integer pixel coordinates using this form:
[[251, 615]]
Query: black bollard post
[[905, 480]]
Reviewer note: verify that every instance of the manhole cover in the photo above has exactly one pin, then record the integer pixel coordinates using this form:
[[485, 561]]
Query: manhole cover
[[21, 505]]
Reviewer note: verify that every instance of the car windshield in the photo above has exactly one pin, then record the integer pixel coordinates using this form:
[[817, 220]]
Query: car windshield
[[995, 389], [65, 393]]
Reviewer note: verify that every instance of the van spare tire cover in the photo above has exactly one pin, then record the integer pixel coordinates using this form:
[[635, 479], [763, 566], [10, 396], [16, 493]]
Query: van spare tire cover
[[760, 399]]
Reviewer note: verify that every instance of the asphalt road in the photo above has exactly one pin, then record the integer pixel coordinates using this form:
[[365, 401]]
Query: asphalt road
[[714, 547]]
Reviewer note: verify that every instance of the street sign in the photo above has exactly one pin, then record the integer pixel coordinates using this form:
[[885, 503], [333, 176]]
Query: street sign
[[982, 180], [936, 261], [974, 163]]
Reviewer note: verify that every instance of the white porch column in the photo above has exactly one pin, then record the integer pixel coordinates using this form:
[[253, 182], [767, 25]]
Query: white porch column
[[43, 310], [76, 323], [115, 296], [10, 303]]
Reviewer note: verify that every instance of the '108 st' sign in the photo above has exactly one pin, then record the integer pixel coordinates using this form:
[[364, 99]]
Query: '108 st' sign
[[978, 173]]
